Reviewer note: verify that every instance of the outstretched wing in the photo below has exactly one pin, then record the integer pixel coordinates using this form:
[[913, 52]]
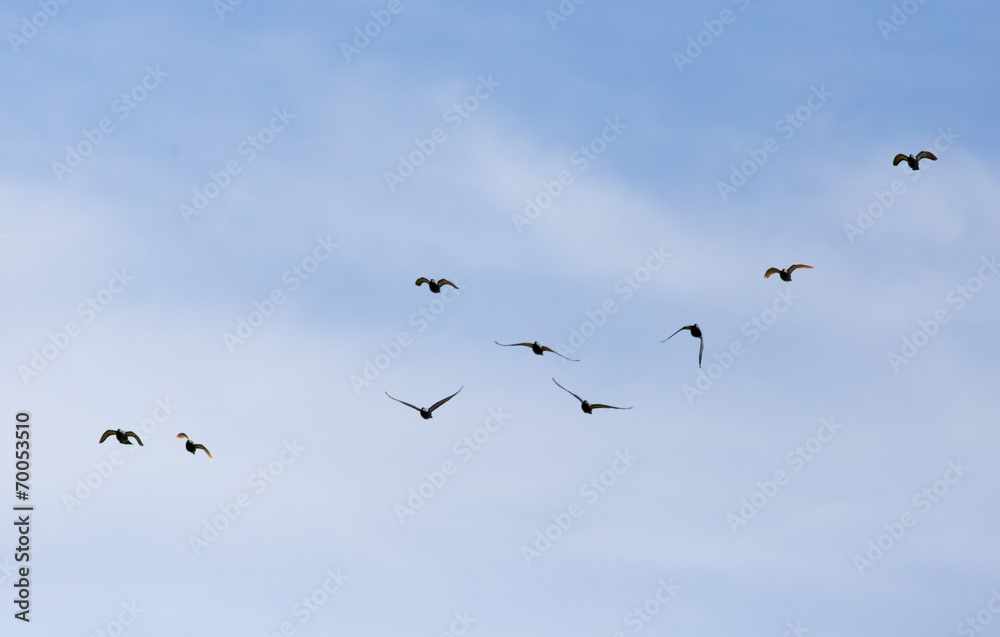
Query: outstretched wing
[[109, 432], [771, 271], [133, 435], [422, 280], [568, 391], [701, 350], [446, 282], [686, 327], [899, 159], [202, 447], [514, 344], [592, 406], [799, 265], [444, 400], [182, 436], [404, 402], [926, 154], [546, 348]]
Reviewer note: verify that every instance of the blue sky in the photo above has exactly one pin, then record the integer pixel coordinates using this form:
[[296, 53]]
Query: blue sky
[[829, 470]]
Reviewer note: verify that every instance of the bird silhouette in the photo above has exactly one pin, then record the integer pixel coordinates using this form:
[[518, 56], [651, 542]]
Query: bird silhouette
[[587, 407], [425, 412], [190, 446], [435, 286], [786, 275], [695, 332], [121, 436], [911, 161], [537, 349]]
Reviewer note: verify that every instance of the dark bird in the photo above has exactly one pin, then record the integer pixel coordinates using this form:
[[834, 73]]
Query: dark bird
[[911, 161], [435, 286], [538, 349], [427, 413], [190, 446], [695, 332], [121, 436], [786, 275], [587, 407]]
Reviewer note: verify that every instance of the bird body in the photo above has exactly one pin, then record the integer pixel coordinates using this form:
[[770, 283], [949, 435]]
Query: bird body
[[121, 436], [911, 161], [537, 349], [586, 406], [190, 446], [695, 332], [427, 412], [435, 286], [786, 275]]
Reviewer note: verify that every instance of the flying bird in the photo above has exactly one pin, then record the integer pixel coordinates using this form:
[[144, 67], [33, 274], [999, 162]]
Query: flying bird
[[435, 286], [587, 407], [786, 275], [190, 446], [121, 436], [695, 332], [911, 161], [425, 412], [537, 349]]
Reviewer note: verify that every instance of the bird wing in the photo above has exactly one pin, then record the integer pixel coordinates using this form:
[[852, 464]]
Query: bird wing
[[566, 390], [701, 350], [132, 433], [771, 271], [799, 265], [446, 282], [592, 406], [444, 400], [404, 402], [686, 327], [514, 344], [202, 447], [182, 436], [109, 432], [423, 280], [899, 158], [926, 154], [546, 348]]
